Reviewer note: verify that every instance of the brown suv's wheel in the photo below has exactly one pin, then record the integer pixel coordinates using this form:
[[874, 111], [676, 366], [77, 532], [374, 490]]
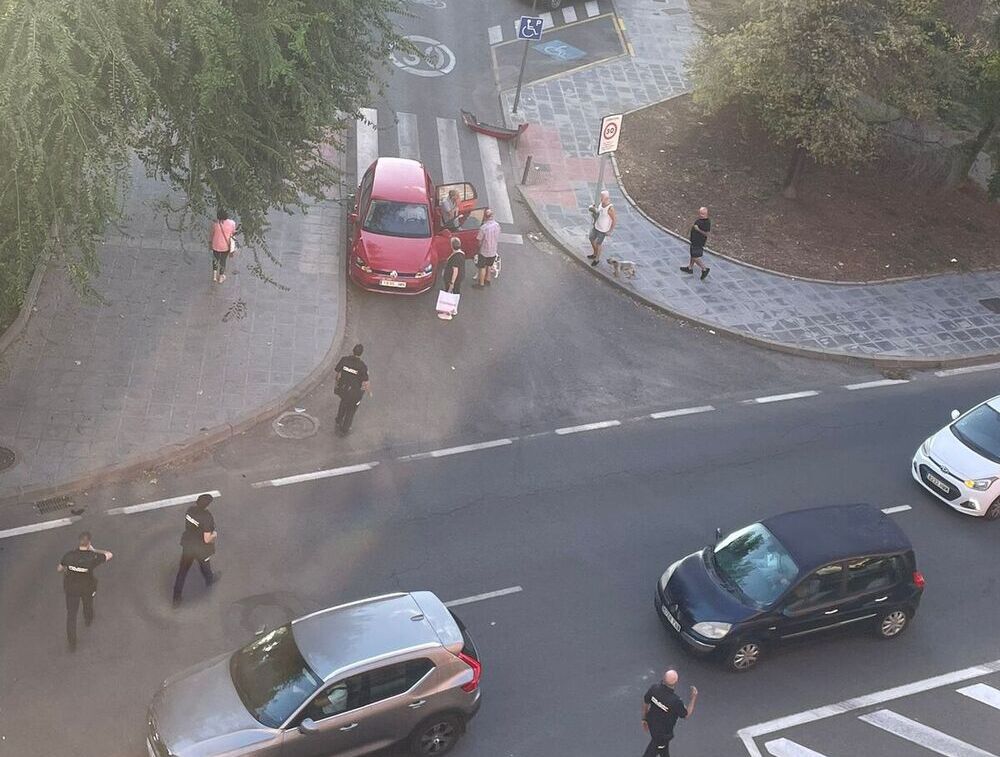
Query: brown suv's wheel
[[435, 736], [891, 624], [743, 656]]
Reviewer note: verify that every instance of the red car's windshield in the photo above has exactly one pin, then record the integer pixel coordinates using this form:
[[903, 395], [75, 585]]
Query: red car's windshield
[[398, 219]]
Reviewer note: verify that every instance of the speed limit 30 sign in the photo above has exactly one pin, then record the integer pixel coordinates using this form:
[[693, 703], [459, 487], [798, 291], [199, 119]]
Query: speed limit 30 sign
[[611, 131]]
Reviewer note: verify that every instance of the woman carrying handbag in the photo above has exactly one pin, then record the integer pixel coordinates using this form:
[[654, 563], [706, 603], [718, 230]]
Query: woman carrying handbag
[[222, 243]]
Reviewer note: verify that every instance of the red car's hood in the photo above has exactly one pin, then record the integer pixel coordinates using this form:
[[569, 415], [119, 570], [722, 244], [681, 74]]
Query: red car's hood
[[397, 253]]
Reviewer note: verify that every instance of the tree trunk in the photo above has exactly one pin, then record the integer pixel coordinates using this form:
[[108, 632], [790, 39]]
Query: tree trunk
[[791, 189], [969, 152]]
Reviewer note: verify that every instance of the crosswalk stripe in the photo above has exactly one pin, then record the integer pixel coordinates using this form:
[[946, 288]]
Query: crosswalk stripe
[[409, 139], [922, 735], [509, 238], [786, 748], [592, 9], [981, 692], [569, 13], [451, 157], [547, 22], [496, 187], [496, 34], [367, 138]]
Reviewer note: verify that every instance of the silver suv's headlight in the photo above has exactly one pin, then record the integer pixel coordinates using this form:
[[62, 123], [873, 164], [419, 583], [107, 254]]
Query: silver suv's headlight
[[711, 629], [981, 484]]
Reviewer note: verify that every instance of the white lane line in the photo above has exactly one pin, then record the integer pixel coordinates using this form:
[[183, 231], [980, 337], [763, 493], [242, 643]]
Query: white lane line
[[496, 37], [922, 735], [409, 138], [967, 369], [786, 748], [157, 504], [780, 398], [447, 452], [982, 693], [587, 427], [682, 411], [592, 9], [367, 139], [896, 509], [748, 734], [506, 238], [496, 187], [45, 526], [547, 22], [344, 471], [569, 14], [481, 597], [874, 384], [451, 154]]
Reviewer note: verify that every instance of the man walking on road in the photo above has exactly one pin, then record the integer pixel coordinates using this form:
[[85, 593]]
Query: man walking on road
[[699, 237], [604, 223], [489, 246], [197, 544], [352, 383], [79, 583], [660, 709]]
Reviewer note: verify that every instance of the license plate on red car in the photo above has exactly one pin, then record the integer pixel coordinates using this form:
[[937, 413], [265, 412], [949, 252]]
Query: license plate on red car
[[392, 283]]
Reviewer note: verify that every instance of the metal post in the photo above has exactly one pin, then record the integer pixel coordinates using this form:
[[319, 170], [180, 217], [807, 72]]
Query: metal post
[[600, 179], [527, 168], [524, 60]]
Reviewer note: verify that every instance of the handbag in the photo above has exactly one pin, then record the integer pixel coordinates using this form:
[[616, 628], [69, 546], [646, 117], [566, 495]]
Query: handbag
[[230, 240], [447, 302]]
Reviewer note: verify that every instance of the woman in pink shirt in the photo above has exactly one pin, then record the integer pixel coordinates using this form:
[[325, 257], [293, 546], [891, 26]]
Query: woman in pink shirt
[[221, 242]]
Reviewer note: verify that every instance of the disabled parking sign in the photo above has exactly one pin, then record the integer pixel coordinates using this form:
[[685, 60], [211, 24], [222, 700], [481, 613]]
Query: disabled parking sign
[[529, 27]]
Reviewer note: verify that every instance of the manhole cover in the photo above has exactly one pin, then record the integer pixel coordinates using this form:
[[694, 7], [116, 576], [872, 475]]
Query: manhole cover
[[7, 458], [292, 425]]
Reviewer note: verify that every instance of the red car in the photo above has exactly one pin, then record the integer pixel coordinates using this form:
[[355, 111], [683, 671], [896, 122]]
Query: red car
[[396, 241]]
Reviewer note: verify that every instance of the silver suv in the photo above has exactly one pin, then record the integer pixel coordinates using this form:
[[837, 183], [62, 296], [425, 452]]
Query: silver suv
[[345, 681]]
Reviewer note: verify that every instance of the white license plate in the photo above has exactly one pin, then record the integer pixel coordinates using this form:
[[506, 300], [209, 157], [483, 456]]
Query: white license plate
[[392, 283], [671, 619], [938, 483]]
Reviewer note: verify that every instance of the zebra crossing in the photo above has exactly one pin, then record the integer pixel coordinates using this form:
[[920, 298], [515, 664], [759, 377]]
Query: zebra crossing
[[568, 14], [945, 715]]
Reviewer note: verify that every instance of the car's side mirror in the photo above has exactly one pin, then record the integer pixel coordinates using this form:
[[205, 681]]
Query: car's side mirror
[[308, 726], [955, 414], [718, 535]]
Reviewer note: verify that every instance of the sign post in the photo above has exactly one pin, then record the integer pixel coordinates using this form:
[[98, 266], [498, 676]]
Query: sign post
[[611, 131], [528, 28]]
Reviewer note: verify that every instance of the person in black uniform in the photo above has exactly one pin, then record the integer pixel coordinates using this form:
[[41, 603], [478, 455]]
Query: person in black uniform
[[79, 583], [352, 383], [197, 544], [660, 709]]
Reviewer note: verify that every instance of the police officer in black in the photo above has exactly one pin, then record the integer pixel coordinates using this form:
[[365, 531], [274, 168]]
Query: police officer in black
[[352, 383], [79, 583], [197, 544], [661, 707]]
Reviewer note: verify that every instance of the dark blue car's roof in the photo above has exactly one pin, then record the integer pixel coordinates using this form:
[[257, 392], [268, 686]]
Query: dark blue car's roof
[[822, 535]]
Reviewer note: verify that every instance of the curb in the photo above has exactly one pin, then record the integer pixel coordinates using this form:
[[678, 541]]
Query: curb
[[30, 295], [211, 437], [877, 361]]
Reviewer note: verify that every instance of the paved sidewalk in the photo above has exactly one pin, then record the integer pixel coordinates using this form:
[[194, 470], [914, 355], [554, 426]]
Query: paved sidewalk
[[171, 357], [924, 321]]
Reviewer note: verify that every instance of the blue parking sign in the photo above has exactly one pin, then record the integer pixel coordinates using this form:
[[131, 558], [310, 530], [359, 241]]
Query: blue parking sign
[[529, 27]]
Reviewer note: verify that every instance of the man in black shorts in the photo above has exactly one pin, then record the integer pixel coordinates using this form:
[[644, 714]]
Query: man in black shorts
[[660, 709], [699, 237]]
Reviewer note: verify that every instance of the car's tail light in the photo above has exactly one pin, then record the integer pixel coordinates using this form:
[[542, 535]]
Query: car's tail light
[[918, 579], [477, 670]]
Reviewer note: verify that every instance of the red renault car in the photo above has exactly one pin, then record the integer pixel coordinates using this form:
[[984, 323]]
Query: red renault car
[[396, 240]]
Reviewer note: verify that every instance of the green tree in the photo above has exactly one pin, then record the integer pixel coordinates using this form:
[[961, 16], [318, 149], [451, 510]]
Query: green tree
[[808, 71]]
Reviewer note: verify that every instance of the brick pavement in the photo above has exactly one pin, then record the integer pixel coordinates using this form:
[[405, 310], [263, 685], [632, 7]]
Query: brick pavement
[[170, 355], [934, 319]]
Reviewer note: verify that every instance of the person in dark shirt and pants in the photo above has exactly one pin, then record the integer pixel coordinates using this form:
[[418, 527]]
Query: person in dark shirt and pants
[[352, 383], [699, 237], [660, 709], [79, 583], [197, 544]]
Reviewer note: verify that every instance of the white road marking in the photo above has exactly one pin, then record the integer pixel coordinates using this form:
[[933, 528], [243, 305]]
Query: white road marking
[[748, 734], [569, 14], [682, 411], [458, 450], [157, 504], [367, 139], [982, 693], [896, 509], [496, 187], [967, 369], [546, 20], [481, 597], [592, 9], [587, 427], [922, 735], [506, 238], [786, 748], [451, 154], [45, 526], [409, 139], [496, 36], [344, 471], [874, 384], [780, 398]]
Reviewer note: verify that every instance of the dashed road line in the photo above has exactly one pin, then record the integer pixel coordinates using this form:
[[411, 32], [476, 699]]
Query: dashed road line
[[481, 597], [157, 504], [786, 748], [682, 411], [451, 160], [34, 527], [547, 22], [896, 509], [875, 384], [367, 140], [780, 397], [508, 238], [494, 179], [922, 735], [982, 692], [569, 14], [496, 36], [315, 475], [967, 369], [447, 452], [587, 427], [592, 8]]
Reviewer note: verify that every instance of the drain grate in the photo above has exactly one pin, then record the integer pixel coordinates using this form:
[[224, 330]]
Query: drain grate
[[295, 425], [992, 304], [7, 458], [46, 506]]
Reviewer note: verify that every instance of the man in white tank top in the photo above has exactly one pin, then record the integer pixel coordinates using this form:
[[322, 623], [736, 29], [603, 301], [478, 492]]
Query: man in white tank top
[[604, 224]]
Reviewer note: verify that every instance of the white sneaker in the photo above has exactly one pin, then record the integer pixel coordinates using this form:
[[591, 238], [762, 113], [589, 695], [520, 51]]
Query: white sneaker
[[222, 277], [215, 276]]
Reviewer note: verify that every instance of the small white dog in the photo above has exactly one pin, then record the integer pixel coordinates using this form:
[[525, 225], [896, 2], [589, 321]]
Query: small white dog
[[619, 267]]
